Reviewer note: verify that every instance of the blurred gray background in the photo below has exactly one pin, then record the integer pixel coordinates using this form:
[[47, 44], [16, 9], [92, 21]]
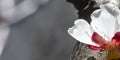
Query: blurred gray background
[[43, 34]]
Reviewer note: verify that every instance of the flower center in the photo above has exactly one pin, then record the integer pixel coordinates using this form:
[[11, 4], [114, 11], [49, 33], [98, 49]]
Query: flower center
[[112, 47], [112, 51]]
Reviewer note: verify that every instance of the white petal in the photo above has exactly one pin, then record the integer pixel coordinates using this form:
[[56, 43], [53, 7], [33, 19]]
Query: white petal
[[112, 9], [115, 11], [118, 18], [115, 2], [117, 24], [103, 22], [81, 32]]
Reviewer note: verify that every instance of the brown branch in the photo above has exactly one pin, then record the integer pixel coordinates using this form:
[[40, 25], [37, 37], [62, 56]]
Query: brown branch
[[85, 8]]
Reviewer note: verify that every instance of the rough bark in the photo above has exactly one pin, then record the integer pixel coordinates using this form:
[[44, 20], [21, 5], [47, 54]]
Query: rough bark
[[81, 51]]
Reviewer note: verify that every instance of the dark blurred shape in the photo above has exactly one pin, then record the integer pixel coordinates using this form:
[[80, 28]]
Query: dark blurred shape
[[85, 8], [91, 58]]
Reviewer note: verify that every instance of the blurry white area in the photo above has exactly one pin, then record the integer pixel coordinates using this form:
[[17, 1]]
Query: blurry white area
[[116, 2], [7, 8], [9, 14], [4, 32]]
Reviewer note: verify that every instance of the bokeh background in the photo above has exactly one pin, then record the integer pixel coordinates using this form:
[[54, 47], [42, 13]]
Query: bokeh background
[[43, 34]]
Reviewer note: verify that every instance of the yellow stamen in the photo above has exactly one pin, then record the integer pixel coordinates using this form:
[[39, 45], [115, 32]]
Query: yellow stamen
[[112, 51], [113, 54]]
